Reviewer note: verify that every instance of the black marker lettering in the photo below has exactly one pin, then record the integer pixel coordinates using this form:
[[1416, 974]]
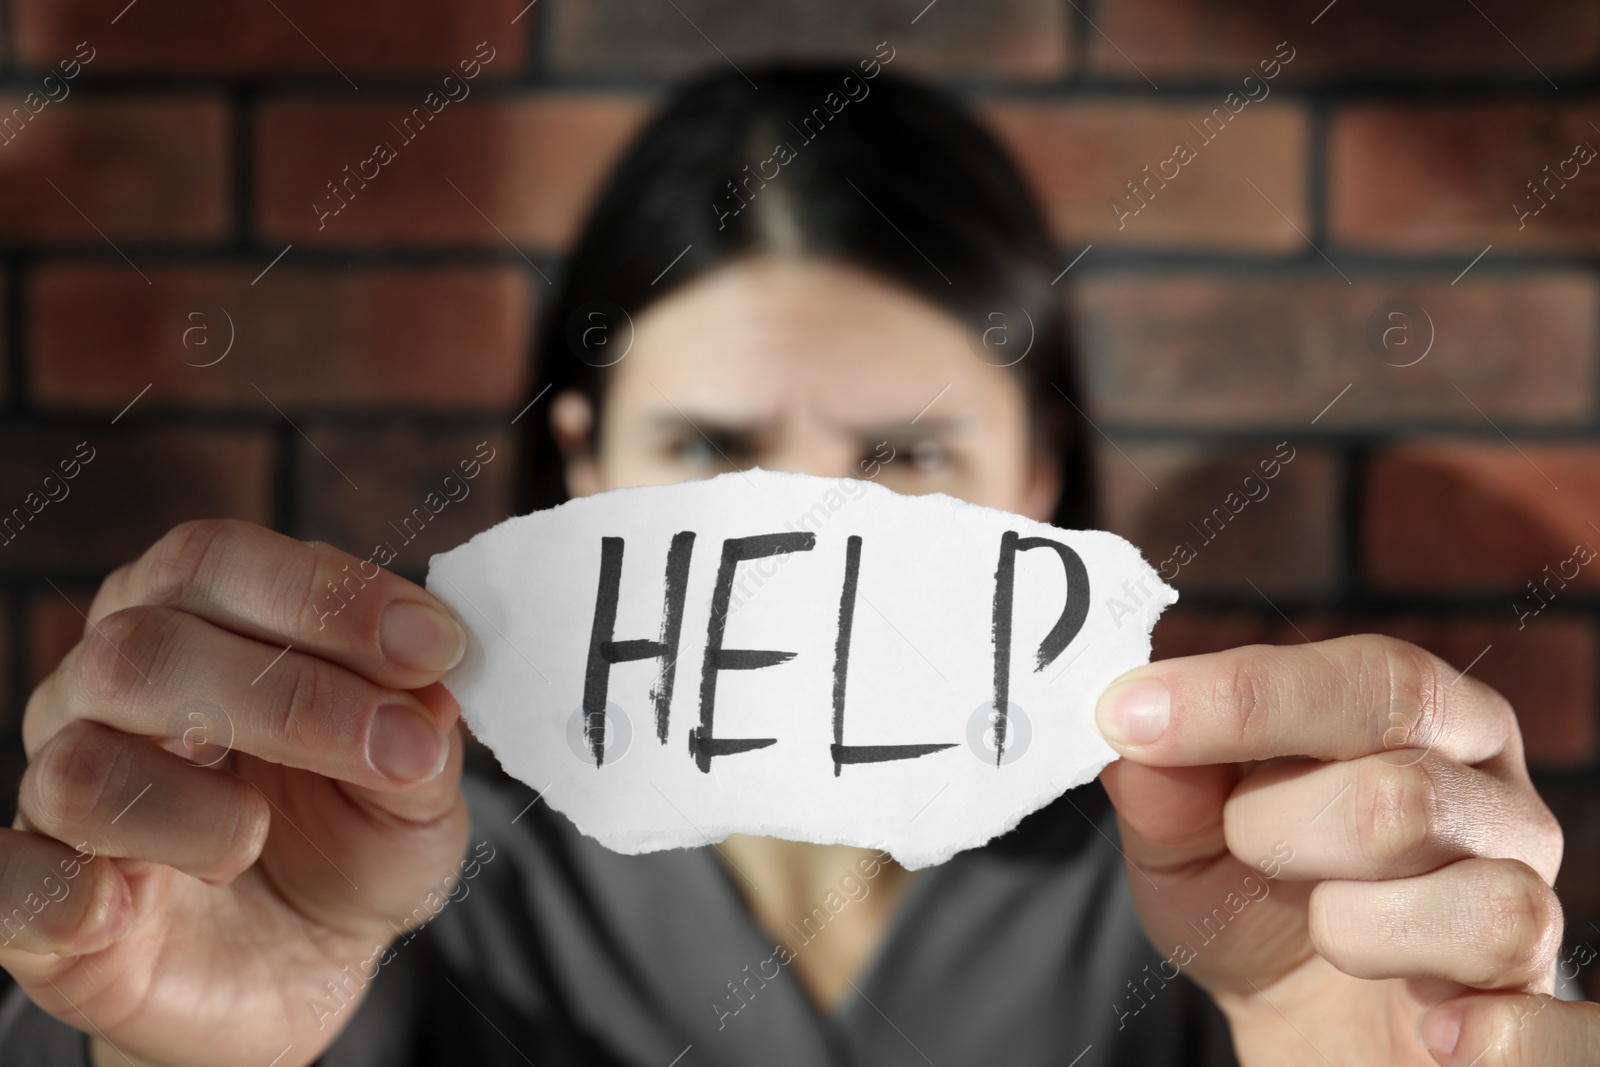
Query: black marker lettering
[[702, 744], [1073, 614], [843, 753], [604, 650]]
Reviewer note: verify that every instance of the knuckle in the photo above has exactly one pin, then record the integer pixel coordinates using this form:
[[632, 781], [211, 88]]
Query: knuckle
[[298, 593], [75, 776], [1397, 810], [125, 652], [1244, 689], [114, 588], [241, 827], [1493, 715], [1549, 839], [47, 706], [1519, 920], [1407, 677], [1500, 712], [315, 706], [304, 691], [180, 561]]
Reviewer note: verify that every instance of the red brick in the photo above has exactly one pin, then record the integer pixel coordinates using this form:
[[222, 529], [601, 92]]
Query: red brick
[[1548, 672], [1023, 40], [396, 471], [55, 624], [528, 165], [1482, 517], [1081, 157], [1454, 176], [454, 337], [1350, 39], [425, 38], [1286, 541], [138, 484], [1247, 351], [137, 167]]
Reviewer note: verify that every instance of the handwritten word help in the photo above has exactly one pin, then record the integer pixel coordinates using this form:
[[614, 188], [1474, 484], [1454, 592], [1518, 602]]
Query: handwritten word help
[[919, 675]]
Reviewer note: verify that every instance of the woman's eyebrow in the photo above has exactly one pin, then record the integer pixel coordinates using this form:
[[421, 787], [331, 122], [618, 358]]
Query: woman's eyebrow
[[924, 426], [678, 420]]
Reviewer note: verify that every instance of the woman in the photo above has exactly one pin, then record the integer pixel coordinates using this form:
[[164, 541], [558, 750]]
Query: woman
[[841, 274]]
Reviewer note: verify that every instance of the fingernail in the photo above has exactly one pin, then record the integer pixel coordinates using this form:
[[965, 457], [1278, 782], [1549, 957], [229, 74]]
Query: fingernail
[[420, 637], [1441, 1029], [404, 745], [1134, 713]]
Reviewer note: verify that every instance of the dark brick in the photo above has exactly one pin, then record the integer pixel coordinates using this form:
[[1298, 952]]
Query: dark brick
[[1022, 40], [1482, 517], [138, 484], [530, 166], [56, 622], [424, 38], [1455, 176], [1286, 540], [5, 357], [1345, 39], [396, 471], [1080, 158], [10, 711], [450, 337], [147, 168], [1243, 351]]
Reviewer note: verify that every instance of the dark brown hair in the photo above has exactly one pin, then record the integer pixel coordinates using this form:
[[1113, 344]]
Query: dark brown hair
[[879, 172]]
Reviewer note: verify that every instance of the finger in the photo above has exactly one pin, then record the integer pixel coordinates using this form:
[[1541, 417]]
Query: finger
[[431, 799], [1390, 815], [1339, 699], [1522, 1030], [148, 663], [1489, 924], [1169, 815], [311, 597], [130, 799], [57, 899], [376, 853]]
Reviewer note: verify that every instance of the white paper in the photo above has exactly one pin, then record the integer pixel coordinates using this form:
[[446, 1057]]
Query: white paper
[[920, 668]]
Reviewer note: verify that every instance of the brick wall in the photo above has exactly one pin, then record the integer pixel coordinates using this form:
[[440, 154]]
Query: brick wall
[[1279, 285]]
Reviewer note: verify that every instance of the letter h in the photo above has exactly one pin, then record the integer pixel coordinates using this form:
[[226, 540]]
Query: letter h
[[605, 650]]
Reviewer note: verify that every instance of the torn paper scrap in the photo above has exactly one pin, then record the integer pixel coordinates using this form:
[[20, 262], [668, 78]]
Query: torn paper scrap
[[810, 658]]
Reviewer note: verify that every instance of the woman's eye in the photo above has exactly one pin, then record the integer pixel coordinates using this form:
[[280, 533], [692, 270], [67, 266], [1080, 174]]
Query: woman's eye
[[928, 455], [700, 451]]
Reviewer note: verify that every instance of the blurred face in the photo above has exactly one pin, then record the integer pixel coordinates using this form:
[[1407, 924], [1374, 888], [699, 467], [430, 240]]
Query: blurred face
[[814, 367]]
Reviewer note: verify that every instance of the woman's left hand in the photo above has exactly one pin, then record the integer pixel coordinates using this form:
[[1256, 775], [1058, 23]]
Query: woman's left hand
[[1339, 841]]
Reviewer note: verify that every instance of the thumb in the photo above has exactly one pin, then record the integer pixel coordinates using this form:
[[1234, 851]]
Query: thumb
[[1170, 817], [1519, 1030], [1221, 919]]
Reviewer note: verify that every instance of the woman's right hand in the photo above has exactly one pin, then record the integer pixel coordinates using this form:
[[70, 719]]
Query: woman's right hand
[[262, 822]]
